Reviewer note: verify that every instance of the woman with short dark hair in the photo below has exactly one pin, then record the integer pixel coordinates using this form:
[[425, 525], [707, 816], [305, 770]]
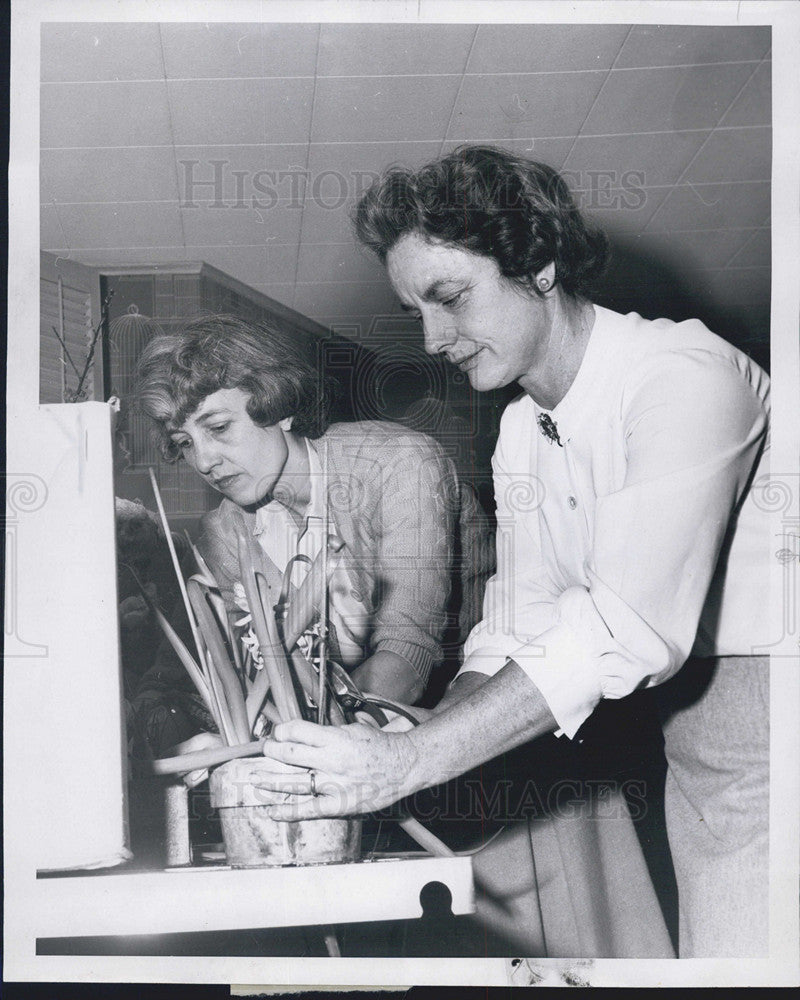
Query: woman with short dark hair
[[631, 551], [247, 410]]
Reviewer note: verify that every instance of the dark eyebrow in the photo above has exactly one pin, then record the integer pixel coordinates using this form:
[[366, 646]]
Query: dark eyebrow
[[431, 292]]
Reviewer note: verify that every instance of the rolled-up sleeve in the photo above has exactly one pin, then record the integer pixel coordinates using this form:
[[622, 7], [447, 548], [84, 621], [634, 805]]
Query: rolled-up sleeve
[[693, 430]]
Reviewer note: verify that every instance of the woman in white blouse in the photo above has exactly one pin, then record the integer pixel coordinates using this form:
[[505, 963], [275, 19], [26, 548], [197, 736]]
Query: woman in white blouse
[[631, 552]]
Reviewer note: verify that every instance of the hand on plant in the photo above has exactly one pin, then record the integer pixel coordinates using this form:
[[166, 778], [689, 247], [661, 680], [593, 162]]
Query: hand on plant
[[355, 768]]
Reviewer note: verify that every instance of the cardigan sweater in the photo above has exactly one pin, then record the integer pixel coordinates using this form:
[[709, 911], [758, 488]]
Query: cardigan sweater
[[393, 499]]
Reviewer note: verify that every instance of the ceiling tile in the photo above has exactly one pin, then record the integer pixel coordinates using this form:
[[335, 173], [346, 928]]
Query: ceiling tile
[[251, 265], [531, 48], [121, 225], [669, 45], [642, 100], [241, 175], [647, 159], [290, 49], [624, 211], [216, 50], [342, 262], [754, 105], [756, 252], [205, 225], [697, 248], [388, 49], [734, 154], [514, 106], [212, 50], [352, 166], [134, 174], [713, 206], [283, 293], [104, 114], [327, 223], [382, 108], [551, 150], [139, 256], [222, 112], [101, 51], [739, 284], [317, 298], [51, 235]]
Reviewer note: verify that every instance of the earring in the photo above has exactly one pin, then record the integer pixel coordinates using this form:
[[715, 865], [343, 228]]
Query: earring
[[544, 284]]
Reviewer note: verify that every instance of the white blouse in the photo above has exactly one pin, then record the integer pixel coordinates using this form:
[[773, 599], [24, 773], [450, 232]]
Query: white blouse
[[634, 539]]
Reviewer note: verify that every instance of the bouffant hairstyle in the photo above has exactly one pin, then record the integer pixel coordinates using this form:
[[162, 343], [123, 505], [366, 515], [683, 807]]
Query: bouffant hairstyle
[[176, 371], [487, 201]]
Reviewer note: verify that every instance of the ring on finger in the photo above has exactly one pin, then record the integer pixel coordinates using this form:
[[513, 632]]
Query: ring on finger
[[313, 777]]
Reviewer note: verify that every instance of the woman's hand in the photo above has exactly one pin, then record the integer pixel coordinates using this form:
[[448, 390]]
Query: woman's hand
[[336, 770]]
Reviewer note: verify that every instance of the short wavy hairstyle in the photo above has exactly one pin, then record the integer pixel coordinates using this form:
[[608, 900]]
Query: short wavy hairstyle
[[490, 202], [176, 371]]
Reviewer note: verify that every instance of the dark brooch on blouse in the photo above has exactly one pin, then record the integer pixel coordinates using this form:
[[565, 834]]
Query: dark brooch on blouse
[[549, 429]]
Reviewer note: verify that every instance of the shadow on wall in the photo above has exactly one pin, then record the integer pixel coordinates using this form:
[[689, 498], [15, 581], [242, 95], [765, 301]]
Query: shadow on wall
[[639, 279]]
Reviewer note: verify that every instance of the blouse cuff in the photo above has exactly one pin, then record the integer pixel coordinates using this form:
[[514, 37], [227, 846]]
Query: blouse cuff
[[599, 648]]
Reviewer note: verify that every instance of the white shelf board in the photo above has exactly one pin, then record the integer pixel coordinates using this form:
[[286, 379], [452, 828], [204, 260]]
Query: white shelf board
[[207, 899]]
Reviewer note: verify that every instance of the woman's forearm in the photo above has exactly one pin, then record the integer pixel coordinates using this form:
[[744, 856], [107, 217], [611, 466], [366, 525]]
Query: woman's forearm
[[501, 713]]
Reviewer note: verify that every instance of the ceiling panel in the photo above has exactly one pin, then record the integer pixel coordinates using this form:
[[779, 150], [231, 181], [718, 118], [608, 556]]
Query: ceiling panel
[[283, 293], [241, 175], [326, 224], [121, 225], [165, 256], [551, 151], [212, 50], [104, 51], [223, 112], [733, 285], [754, 105], [545, 48], [51, 235], [140, 173], [357, 163], [340, 262], [361, 109], [515, 106], [656, 100], [290, 49], [704, 248], [105, 114], [669, 45], [205, 225], [648, 159], [713, 206], [625, 211], [216, 50], [389, 49], [756, 252], [318, 298], [252, 265], [733, 155], [227, 115]]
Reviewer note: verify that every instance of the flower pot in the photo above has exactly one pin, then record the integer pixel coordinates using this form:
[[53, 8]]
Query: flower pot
[[255, 840]]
